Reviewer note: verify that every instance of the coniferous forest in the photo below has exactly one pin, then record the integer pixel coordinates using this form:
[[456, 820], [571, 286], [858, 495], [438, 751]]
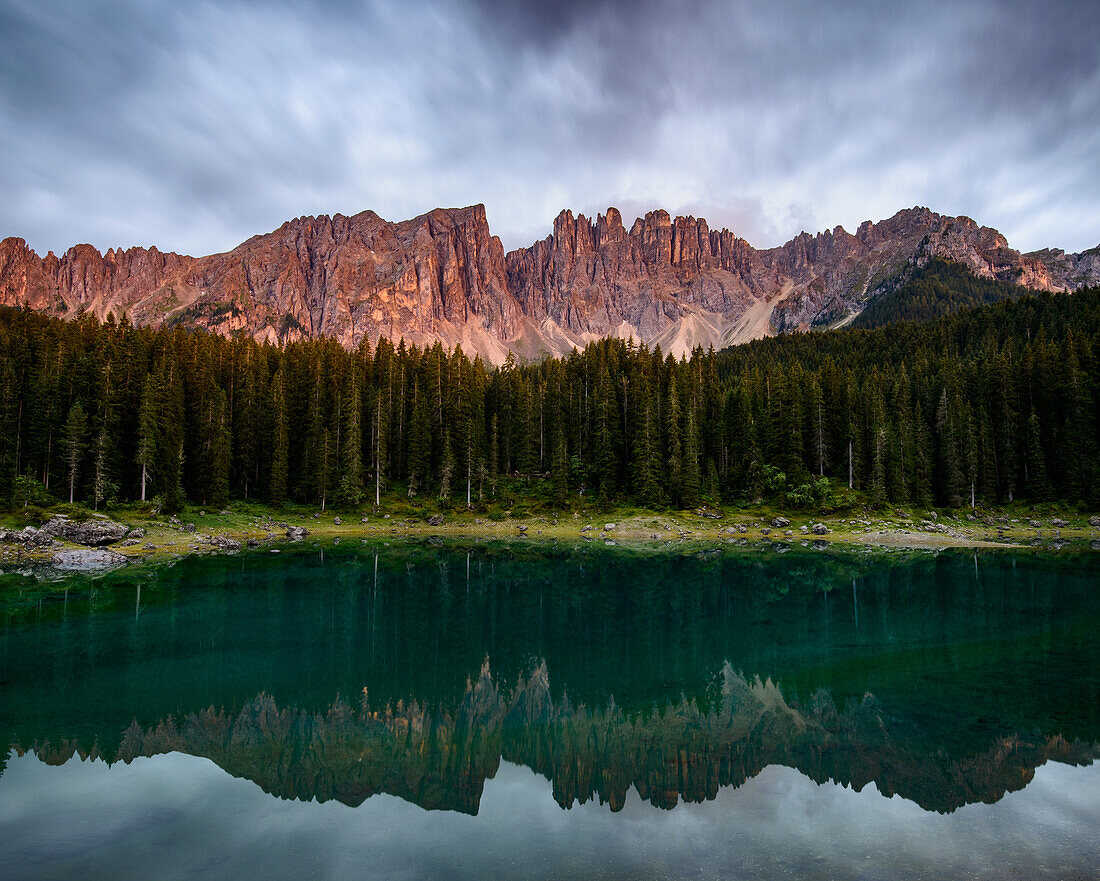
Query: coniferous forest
[[983, 406]]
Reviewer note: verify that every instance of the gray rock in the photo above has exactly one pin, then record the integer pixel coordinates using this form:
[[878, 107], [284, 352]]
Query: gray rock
[[1059, 524], [190, 527], [820, 529], [607, 527], [336, 521], [780, 523], [88, 560], [253, 542], [296, 532], [1094, 521], [435, 520], [136, 533], [91, 533], [33, 538]]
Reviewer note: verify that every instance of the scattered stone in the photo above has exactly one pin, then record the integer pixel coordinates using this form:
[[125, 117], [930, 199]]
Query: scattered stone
[[1059, 524], [804, 529], [1094, 521], [364, 520], [587, 528], [522, 528], [253, 542], [150, 547], [780, 523], [129, 543], [435, 520], [336, 521], [296, 533], [225, 542], [820, 529], [607, 527], [190, 527], [1035, 524], [136, 533], [90, 559]]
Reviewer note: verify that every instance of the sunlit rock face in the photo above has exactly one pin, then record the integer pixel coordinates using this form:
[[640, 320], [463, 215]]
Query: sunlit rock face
[[682, 751], [443, 277]]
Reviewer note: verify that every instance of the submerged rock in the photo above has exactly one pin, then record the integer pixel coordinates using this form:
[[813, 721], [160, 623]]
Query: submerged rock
[[88, 560]]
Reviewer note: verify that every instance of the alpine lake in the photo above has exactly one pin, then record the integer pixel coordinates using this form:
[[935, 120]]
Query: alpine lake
[[518, 710]]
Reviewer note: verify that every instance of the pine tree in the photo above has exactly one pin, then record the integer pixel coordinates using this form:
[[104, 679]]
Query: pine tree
[[103, 488], [351, 481], [559, 468], [691, 479], [281, 446], [148, 435], [221, 453], [76, 425], [647, 461], [420, 442]]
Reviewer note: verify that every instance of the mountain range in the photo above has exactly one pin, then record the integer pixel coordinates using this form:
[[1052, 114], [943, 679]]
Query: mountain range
[[444, 277]]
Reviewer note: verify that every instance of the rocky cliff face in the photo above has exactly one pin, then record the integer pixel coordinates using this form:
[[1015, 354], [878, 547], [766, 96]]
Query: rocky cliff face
[[443, 276]]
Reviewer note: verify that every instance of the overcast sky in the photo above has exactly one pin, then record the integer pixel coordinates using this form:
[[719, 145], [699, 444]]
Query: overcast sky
[[194, 125]]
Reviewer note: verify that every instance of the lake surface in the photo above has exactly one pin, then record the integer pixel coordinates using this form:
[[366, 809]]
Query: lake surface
[[415, 711]]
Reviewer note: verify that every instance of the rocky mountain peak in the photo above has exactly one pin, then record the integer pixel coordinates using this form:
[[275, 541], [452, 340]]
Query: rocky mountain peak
[[443, 276]]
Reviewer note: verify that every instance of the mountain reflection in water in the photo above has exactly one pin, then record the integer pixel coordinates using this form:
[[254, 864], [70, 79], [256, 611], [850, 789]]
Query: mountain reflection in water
[[441, 761], [338, 679]]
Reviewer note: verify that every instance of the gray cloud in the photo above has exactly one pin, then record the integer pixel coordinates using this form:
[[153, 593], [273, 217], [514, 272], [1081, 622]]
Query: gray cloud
[[194, 126]]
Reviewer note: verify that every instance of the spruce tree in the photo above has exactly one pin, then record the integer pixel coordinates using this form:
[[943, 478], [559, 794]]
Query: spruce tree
[[76, 426]]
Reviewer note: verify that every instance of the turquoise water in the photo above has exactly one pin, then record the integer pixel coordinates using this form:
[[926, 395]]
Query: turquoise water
[[419, 711]]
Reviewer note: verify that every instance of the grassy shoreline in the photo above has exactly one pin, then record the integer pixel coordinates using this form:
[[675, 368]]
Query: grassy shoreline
[[198, 531]]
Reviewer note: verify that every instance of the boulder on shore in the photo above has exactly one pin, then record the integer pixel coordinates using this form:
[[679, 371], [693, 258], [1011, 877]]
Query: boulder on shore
[[296, 532], [91, 533], [780, 523]]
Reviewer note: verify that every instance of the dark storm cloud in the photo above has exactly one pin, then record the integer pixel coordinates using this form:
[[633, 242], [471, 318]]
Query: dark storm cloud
[[195, 125]]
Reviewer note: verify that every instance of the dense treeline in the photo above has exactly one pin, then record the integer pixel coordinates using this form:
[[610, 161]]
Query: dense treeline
[[984, 406], [933, 291]]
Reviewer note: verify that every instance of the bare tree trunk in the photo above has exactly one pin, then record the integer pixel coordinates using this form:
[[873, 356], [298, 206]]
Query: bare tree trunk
[[143, 481]]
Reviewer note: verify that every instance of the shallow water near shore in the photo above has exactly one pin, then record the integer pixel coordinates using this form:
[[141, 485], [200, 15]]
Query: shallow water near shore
[[461, 711]]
